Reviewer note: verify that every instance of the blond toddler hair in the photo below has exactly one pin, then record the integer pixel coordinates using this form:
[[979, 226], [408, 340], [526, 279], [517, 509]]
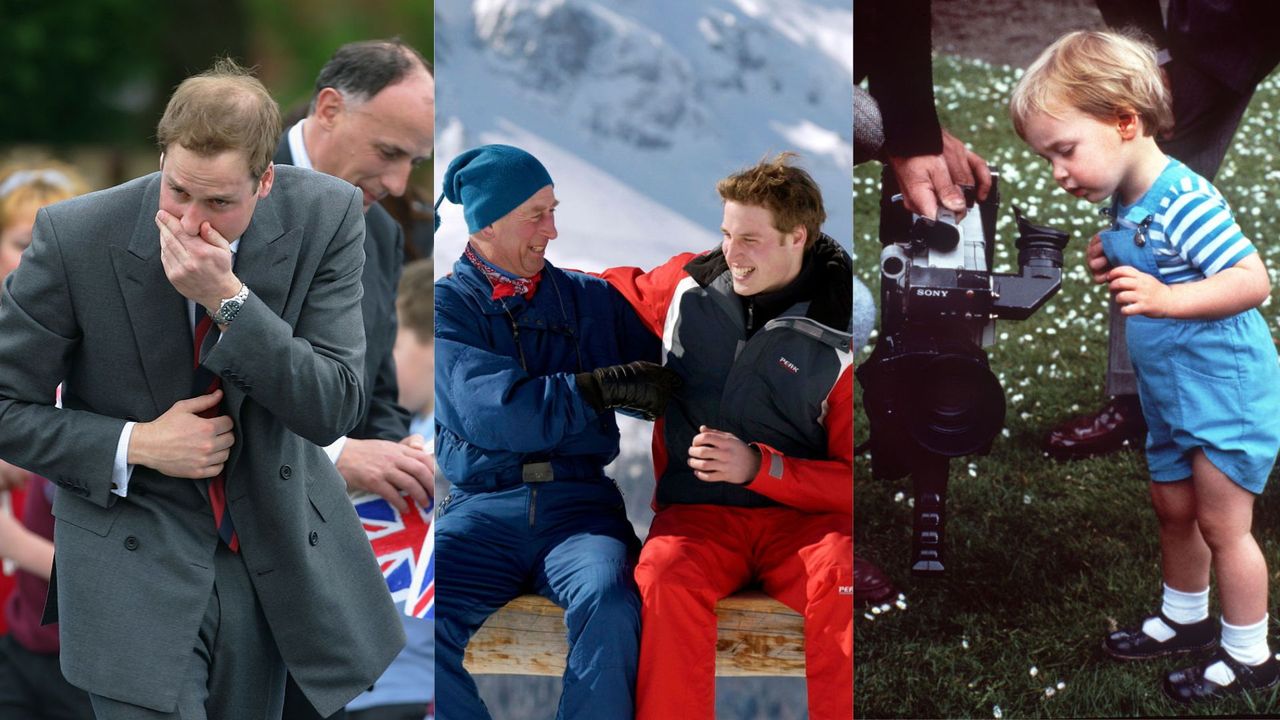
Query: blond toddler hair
[[1101, 74]]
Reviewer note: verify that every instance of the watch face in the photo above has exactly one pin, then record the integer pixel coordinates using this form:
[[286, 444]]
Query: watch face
[[229, 308]]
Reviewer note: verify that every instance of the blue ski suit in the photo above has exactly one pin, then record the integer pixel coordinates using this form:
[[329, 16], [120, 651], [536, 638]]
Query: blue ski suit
[[531, 509]]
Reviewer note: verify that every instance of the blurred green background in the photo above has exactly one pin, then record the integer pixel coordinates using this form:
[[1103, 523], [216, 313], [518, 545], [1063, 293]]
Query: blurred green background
[[86, 80]]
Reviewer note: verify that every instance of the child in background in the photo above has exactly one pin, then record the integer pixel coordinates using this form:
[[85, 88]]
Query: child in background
[[25, 187], [415, 346], [1189, 283], [31, 682]]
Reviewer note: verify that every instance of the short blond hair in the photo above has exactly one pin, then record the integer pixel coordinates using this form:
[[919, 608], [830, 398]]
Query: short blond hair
[[28, 186], [1101, 74], [783, 189], [223, 108]]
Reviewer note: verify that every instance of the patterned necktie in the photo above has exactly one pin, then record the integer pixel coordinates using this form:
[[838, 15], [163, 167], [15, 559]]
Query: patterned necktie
[[204, 383]]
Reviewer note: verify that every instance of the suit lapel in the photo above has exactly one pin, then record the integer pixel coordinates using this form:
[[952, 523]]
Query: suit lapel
[[157, 313]]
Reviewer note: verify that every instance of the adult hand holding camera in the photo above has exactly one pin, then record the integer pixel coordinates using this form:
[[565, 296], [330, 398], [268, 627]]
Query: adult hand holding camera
[[929, 180], [641, 386]]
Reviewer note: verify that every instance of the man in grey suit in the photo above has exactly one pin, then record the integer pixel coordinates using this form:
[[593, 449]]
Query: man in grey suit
[[203, 540], [371, 121]]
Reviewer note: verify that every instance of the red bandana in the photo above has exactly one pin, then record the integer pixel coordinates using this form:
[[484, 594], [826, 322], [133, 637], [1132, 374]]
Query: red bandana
[[503, 286]]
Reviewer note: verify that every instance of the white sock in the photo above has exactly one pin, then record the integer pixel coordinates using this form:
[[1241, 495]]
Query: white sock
[[1246, 643], [1157, 629], [1180, 607], [1185, 607]]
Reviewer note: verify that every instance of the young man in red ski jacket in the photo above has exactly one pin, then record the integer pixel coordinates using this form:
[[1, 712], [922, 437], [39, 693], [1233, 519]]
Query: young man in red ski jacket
[[754, 457]]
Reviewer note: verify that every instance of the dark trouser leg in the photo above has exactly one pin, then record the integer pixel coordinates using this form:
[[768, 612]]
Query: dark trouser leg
[[32, 687], [1121, 380], [298, 707]]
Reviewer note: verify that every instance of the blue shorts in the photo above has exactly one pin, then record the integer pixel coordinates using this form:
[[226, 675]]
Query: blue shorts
[[1212, 385]]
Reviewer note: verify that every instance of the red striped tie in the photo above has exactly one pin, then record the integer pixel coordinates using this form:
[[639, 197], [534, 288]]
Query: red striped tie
[[206, 382]]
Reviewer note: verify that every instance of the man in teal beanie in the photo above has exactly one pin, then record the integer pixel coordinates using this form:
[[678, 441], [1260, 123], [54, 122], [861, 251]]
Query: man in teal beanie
[[531, 361], [490, 180]]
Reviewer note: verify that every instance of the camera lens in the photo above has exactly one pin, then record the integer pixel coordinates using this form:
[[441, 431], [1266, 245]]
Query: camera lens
[[957, 405], [1038, 246]]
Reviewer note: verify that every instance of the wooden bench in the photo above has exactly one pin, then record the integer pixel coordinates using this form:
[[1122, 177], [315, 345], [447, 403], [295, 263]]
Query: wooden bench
[[757, 636]]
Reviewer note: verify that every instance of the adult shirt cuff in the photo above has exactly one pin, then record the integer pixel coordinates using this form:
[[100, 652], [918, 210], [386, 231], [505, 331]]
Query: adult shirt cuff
[[121, 471], [334, 449]]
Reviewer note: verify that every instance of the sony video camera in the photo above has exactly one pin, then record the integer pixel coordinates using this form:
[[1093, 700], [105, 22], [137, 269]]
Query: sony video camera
[[928, 391]]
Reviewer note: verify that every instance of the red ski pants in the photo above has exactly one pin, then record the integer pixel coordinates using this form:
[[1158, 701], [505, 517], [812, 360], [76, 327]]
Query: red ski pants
[[697, 554]]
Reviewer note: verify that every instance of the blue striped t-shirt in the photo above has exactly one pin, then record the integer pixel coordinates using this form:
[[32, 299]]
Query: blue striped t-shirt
[[1193, 233]]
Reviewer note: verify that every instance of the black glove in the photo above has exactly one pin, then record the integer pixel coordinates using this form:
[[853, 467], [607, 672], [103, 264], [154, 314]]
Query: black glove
[[640, 386]]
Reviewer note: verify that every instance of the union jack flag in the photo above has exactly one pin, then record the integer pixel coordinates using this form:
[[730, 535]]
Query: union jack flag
[[404, 547], [421, 602]]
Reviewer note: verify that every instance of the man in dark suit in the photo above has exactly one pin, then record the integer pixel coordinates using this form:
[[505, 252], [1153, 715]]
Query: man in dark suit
[[371, 120], [203, 322]]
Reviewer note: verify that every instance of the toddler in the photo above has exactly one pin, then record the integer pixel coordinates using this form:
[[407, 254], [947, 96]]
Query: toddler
[[1189, 284]]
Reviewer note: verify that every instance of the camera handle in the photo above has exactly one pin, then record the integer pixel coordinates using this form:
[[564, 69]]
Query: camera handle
[[929, 482]]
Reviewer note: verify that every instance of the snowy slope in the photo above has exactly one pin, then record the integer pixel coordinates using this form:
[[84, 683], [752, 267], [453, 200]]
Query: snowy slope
[[638, 107]]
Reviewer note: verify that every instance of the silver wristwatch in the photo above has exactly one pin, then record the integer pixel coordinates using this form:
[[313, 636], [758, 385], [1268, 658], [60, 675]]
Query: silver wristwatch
[[228, 309]]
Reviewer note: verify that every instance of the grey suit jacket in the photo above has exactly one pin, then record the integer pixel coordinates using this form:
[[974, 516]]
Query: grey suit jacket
[[383, 417], [90, 307]]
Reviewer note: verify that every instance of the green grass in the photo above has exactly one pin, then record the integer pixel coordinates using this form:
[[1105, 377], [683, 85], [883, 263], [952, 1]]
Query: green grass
[[1043, 558]]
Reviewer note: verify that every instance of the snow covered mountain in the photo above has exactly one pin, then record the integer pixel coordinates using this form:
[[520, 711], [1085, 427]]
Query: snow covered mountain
[[638, 107]]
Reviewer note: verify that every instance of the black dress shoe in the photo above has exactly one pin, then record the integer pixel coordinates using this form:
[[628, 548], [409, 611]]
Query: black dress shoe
[[1106, 431], [1190, 685], [1133, 644], [870, 585]]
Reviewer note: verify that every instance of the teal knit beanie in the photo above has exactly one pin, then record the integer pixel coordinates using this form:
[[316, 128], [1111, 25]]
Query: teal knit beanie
[[490, 181]]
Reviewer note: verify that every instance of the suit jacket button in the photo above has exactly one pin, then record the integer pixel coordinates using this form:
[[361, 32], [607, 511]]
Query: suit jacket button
[[286, 472], [131, 543], [314, 538]]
